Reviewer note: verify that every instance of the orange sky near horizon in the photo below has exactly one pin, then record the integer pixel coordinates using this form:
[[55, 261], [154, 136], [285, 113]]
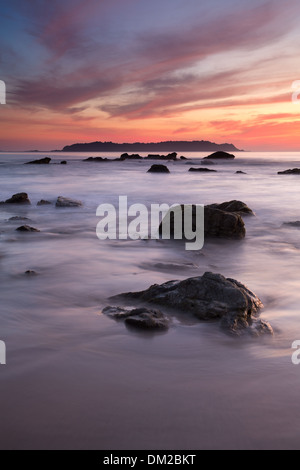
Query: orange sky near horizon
[[125, 72]]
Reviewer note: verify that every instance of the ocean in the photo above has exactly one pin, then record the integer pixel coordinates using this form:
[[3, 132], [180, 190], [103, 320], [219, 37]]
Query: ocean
[[77, 379]]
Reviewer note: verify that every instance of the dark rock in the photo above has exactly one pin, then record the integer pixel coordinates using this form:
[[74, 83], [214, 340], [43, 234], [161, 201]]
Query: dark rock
[[30, 273], [221, 224], [217, 223], [293, 224], [42, 161], [17, 219], [238, 207], [220, 156], [20, 198], [42, 202], [96, 159], [295, 171], [134, 156], [66, 202], [64, 162], [183, 158], [202, 170], [27, 228], [170, 156], [140, 317], [210, 297], [158, 169], [240, 173]]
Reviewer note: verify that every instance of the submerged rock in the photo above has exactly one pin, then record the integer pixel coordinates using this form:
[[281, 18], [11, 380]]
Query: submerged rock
[[30, 273], [27, 228], [42, 202], [294, 171], [17, 219], [134, 156], [209, 297], [207, 162], [220, 156], [20, 198], [64, 162], [96, 159], [170, 156], [67, 202], [42, 161], [140, 317], [293, 224], [240, 172], [158, 169], [203, 170]]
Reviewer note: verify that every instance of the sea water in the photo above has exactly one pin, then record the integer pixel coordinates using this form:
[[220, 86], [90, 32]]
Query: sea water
[[76, 379]]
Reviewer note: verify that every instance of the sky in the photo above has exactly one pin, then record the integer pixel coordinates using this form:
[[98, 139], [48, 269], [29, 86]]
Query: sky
[[150, 71]]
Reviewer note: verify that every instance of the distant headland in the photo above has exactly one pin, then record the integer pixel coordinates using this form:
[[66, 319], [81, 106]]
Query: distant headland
[[169, 146]]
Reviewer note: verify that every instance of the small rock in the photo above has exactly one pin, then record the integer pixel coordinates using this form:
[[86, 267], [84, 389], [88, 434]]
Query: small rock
[[27, 228], [295, 171], [203, 170], [158, 169], [170, 156], [139, 317], [31, 273], [17, 219], [66, 202], [125, 157], [20, 198], [95, 159], [42, 202], [220, 156], [240, 173], [183, 158], [293, 224], [64, 162], [42, 161]]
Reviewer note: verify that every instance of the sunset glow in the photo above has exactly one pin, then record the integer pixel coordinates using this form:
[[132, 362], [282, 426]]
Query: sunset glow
[[134, 70]]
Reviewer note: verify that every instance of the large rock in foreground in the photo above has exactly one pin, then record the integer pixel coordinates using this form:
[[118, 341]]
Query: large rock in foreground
[[209, 297], [20, 198], [66, 202], [220, 156]]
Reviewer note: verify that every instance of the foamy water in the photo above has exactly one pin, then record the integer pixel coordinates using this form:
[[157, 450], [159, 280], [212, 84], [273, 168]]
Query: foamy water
[[76, 379]]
